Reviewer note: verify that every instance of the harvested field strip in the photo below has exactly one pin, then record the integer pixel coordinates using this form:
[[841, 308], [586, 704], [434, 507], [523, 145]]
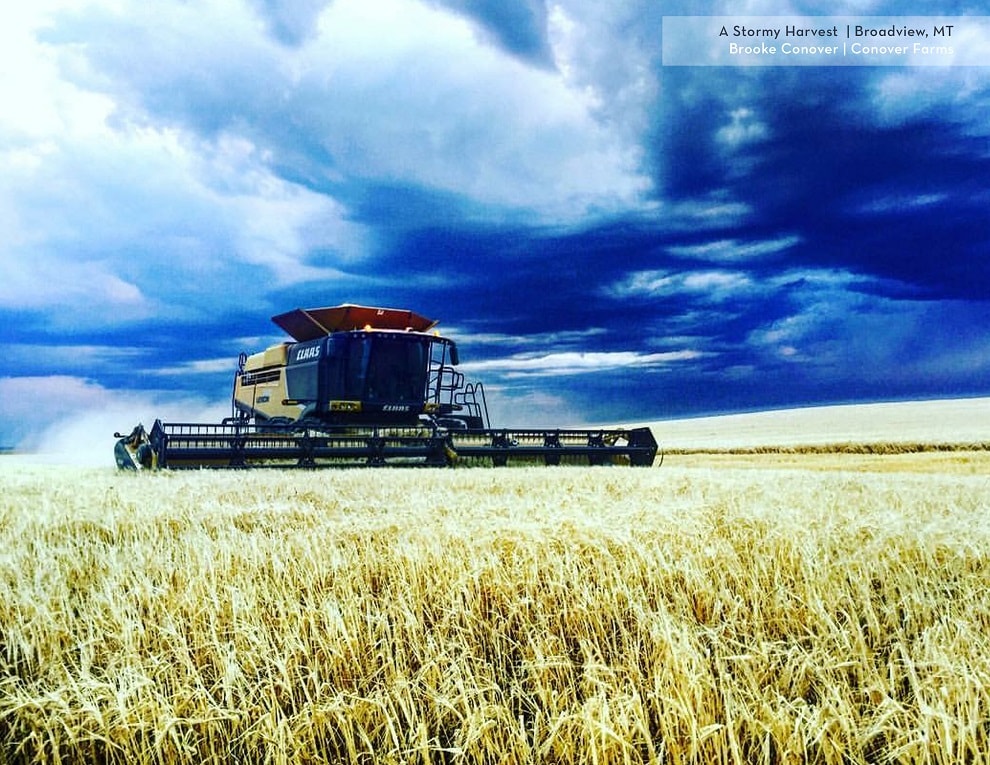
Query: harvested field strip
[[893, 447]]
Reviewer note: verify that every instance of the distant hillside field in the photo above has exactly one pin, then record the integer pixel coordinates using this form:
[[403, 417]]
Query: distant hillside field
[[951, 421]]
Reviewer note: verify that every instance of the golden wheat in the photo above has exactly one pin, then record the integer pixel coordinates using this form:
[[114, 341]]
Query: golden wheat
[[536, 615]]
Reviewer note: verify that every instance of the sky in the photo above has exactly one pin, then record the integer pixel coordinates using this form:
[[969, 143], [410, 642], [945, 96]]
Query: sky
[[608, 239]]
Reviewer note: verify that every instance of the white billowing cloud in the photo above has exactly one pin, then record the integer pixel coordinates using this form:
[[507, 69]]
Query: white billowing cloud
[[737, 138], [273, 222], [712, 286], [40, 111], [717, 288], [42, 399], [571, 363], [610, 50], [531, 409], [906, 94], [393, 91], [37, 100], [488, 126], [717, 285], [715, 213], [107, 211], [74, 419], [45, 281], [732, 250], [743, 128], [957, 93], [33, 406], [898, 203], [124, 217]]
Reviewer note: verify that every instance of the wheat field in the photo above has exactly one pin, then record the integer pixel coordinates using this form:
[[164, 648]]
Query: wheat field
[[684, 614]]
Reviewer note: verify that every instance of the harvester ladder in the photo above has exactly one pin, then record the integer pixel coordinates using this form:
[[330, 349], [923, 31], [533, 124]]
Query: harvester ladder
[[472, 399]]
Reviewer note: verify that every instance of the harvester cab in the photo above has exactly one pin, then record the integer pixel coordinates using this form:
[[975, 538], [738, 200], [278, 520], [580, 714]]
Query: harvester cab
[[353, 365]]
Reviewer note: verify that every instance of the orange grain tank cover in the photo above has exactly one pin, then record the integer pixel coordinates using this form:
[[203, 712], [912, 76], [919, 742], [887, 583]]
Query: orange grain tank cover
[[310, 323]]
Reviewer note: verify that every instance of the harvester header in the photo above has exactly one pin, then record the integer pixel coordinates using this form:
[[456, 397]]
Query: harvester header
[[364, 386]]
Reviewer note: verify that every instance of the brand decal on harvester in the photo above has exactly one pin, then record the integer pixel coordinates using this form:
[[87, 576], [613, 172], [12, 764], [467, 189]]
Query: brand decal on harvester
[[304, 354]]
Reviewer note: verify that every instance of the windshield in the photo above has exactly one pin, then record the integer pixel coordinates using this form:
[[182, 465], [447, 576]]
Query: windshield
[[386, 369]]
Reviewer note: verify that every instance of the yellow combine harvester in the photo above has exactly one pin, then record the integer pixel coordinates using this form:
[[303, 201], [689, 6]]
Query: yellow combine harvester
[[364, 386]]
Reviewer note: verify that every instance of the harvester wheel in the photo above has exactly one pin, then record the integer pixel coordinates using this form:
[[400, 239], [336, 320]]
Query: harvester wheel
[[551, 441], [501, 441], [376, 448], [597, 441]]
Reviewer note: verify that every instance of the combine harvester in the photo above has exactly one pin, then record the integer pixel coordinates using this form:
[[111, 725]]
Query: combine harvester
[[364, 386]]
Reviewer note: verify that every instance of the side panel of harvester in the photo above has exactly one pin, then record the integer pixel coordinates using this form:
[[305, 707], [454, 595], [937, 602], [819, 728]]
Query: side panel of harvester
[[260, 386]]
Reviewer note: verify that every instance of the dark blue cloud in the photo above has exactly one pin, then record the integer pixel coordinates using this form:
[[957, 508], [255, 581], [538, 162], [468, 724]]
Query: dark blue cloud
[[901, 202]]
